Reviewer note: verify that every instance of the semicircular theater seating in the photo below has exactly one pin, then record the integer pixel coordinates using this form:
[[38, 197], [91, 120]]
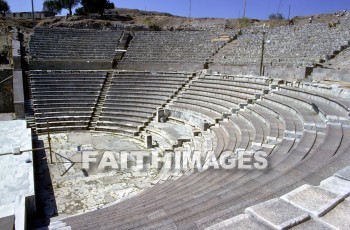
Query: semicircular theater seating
[[133, 98], [296, 45], [305, 135], [64, 101], [165, 50]]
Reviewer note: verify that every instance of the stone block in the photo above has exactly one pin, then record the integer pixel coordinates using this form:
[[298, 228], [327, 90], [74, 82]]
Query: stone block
[[148, 141], [314, 200], [310, 225], [344, 173], [336, 185], [205, 126], [160, 114], [242, 222], [277, 214], [338, 218]]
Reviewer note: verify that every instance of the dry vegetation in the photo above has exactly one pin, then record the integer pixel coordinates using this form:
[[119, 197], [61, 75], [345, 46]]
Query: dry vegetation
[[140, 20]]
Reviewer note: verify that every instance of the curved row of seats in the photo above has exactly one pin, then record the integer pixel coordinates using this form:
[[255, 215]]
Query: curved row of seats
[[64, 100], [299, 45], [307, 207], [69, 43], [292, 125], [133, 99], [167, 47]]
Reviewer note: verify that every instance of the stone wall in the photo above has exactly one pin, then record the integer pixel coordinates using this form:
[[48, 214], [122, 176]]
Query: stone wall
[[69, 65], [320, 74], [142, 66], [6, 91], [285, 73]]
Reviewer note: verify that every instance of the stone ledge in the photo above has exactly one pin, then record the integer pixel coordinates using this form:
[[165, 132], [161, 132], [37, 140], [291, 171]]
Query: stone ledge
[[314, 200]]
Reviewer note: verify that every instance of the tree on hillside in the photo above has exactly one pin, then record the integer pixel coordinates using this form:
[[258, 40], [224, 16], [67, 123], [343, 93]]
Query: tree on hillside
[[96, 6], [56, 6], [276, 16], [4, 7], [69, 4], [52, 6]]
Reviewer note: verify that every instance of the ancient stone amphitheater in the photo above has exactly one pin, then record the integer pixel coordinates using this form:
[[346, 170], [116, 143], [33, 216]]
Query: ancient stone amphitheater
[[150, 84]]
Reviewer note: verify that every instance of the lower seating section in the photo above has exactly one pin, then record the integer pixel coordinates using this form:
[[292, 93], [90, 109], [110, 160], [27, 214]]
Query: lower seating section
[[133, 98], [305, 136], [217, 101], [65, 100]]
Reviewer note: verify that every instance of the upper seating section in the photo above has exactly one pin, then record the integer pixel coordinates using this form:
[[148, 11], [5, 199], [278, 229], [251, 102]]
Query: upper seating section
[[172, 47], [67, 43], [298, 45]]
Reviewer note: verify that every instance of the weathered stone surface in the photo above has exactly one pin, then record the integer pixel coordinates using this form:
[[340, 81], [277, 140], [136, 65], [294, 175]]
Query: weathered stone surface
[[241, 222], [338, 218], [315, 200], [76, 192], [344, 173], [310, 225], [277, 214], [336, 185]]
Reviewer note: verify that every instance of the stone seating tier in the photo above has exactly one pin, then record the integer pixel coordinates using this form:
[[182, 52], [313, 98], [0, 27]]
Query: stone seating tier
[[299, 45], [132, 97], [277, 122], [64, 99], [307, 207], [63, 43], [171, 47]]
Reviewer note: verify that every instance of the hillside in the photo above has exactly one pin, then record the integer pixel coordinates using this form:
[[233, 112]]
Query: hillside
[[139, 19], [134, 19]]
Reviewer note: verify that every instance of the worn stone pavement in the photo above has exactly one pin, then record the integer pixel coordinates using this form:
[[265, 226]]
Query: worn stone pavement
[[78, 191]]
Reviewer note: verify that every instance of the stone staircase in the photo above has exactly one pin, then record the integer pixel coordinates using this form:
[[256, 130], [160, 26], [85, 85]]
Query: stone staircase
[[172, 98], [100, 102], [230, 40], [184, 87], [29, 114], [123, 45], [28, 107]]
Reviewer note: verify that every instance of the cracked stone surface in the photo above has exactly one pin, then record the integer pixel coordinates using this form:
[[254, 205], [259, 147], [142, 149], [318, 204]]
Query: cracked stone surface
[[79, 191]]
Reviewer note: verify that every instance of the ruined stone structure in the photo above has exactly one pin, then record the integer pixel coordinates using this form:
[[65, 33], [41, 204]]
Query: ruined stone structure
[[179, 91]]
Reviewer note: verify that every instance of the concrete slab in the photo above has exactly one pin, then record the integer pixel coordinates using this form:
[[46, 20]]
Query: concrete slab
[[344, 173], [241, 222], [338, 218], [277, 214], [314, 200], [336, 185]]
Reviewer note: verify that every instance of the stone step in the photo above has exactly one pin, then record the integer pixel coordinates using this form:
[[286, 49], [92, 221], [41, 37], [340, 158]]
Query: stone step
[[242, 222], [313, 199], [277, 214]]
